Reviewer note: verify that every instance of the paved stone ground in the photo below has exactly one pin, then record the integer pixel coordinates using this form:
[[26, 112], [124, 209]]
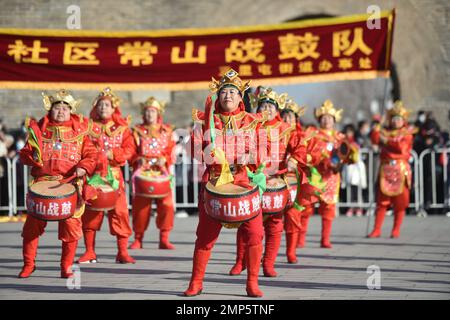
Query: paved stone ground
[[416, 266]]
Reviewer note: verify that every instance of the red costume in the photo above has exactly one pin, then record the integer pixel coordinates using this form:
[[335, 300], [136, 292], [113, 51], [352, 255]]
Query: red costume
[[395, 171], [297, 227], [154, 143], [228, 126], [61, 148], [113, 139], [278, 134]]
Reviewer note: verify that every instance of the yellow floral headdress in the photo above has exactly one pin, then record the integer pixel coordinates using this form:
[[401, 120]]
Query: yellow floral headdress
[[398, 110], [107, 92], [291, 105], [60, 96], [231, 77], [328, 108], [269, 95], [153, 103]]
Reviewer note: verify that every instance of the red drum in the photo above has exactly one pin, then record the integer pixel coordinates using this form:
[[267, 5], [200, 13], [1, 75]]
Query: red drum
[[231, 204], [152, 184], [106, 199], [52, 201], [275, 198], [292, 181]]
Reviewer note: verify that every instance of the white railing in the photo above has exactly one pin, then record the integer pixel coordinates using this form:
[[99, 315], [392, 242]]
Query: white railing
[[186, 178]]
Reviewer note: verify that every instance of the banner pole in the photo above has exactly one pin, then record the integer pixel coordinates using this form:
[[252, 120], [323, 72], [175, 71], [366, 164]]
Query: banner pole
[[372, 204]]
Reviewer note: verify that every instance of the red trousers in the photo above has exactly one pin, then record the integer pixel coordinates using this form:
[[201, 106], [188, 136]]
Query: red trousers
[[141, 212], [297, 221], [399, 203], [296, 224], [273, 229], [273, 224], [68, 230], [119, 221]]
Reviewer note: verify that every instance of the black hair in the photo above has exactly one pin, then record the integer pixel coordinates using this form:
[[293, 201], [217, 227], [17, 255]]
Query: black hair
[[57, 102], [363, 122], [227, 86], [349, 127], [285, 111]]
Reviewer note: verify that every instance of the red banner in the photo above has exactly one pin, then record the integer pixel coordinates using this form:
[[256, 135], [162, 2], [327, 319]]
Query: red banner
[[342, 48]]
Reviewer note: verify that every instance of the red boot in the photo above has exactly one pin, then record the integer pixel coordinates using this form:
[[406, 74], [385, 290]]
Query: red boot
[[254, 254], [122, 255], [89, 241], [270, 254], [29, 251], [201, 258], [398, 219], [379, 219], [304, 227], [326, 232], [68, 254], [291, 246], [239, 266], [301, 239], [137, 244], [164, 240]]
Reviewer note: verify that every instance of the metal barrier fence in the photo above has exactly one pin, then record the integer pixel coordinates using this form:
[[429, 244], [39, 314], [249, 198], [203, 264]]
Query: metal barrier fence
[[371, 167], [430, 190]]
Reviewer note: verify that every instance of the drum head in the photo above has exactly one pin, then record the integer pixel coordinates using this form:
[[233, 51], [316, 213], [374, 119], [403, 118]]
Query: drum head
[[52, 188], [275, 182], [291, 179], [227, 189], [153, 176], [105, 188]]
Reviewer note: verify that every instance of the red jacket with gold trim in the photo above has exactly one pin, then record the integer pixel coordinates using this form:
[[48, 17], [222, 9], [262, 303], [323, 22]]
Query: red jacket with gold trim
[[395, 170], [153, 142], [237, 135], [64, 147], [110, 136], [278, 134]]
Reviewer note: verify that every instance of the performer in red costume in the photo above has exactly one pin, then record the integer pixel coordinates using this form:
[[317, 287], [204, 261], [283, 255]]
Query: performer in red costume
[[328, 169], [154, 148], [229, 121], [395, 172], [292, 112], [57, 148], [278, 133], [114, 141]]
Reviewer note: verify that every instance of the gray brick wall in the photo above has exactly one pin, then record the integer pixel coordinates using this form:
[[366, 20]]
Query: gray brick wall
[[421, 46]]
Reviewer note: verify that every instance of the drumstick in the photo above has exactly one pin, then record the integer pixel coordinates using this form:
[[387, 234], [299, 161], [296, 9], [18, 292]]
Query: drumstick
[[65, 180]]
